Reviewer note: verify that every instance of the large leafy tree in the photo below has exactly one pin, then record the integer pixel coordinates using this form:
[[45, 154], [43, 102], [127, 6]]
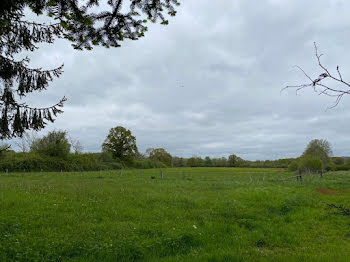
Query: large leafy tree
[[76, 20], [121, 143]]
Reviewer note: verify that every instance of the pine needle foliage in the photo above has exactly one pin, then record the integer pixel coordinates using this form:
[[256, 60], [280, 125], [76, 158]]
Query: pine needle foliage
[[75, 20]]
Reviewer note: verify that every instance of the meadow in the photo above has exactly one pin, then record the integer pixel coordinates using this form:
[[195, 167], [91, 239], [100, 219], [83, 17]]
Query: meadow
[[177, 214]]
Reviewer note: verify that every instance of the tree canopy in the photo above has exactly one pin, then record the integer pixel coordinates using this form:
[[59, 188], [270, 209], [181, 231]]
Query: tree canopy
[[121, 143], [160, 155], [320, 148], [77, 21], [54, 144]]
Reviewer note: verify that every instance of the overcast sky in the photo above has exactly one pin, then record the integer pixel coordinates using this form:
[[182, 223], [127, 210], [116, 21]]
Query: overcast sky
[[209, 83]]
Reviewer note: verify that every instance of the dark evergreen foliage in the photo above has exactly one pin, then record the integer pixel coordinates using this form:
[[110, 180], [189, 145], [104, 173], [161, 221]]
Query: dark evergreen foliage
[[73, 20]]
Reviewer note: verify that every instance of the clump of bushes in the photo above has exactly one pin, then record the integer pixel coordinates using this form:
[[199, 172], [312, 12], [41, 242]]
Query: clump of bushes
[[54, 144], [293, 166], [310, 164], [306, 164], [33, 161]]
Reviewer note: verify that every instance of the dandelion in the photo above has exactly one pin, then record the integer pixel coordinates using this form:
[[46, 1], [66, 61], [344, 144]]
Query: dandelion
[[194, 226]]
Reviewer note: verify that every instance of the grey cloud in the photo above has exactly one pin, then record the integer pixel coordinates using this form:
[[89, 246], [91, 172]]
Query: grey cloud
[[209, 83]]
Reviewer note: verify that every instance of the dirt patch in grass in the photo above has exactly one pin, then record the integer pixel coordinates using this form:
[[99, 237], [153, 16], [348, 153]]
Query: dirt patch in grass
[[327, 191]]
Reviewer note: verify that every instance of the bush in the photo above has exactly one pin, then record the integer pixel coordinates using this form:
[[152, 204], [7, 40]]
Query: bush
[[310, 164], [17, 162], [54, 144], [340, 167], [293, 166]]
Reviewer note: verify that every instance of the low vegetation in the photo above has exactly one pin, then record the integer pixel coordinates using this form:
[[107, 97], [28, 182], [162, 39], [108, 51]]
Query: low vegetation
[[58, 151]]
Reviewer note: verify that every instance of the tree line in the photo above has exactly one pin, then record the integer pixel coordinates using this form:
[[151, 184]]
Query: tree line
[[58, 151]]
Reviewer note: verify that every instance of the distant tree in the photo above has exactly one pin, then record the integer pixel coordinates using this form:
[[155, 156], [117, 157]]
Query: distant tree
[[26, 141], [191, 162], [207, 161], [320, 148], [85, 23], [140, 156], [121, 143], [338, 160], [232, 160], [160, 155], [148, 152], [54, 144], [76, 145], [219, 162], [179, 161]]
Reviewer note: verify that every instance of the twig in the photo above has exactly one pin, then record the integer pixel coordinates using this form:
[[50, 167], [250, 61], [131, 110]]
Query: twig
[[318, 85]]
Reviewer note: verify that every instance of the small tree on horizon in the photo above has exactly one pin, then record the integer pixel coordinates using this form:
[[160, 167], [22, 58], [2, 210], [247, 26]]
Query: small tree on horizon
[[232, 160], [320, 148], [160, 155]]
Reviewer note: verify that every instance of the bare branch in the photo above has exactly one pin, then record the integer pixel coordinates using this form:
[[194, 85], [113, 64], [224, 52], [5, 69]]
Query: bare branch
[[317, 83]]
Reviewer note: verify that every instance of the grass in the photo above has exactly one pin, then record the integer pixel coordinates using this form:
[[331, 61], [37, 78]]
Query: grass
[[192, 214]]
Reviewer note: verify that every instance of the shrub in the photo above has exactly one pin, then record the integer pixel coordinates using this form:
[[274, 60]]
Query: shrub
[[54, 144], [160, 155], [340, 167], [293, 166], [310, 164]]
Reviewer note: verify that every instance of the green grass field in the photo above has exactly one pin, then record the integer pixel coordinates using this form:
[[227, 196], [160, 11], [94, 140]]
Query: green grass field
[[198, 214]]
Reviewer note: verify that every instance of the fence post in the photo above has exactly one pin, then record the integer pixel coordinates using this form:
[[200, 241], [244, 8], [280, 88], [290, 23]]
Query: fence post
[[7, 172], [24, 172], [41, 172], [121, 172], [100, 173], [161, 174], [61, 172], [251, 177]]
